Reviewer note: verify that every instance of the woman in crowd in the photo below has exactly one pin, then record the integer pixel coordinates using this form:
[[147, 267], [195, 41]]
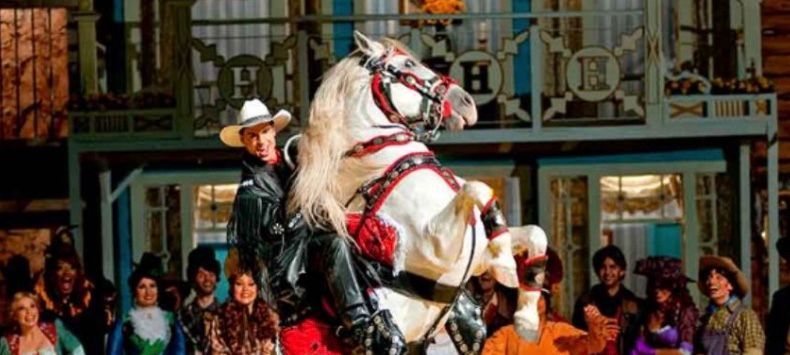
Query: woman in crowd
[[29, 335], [146, 328], [671, 315], [244, 325], [67, 294]]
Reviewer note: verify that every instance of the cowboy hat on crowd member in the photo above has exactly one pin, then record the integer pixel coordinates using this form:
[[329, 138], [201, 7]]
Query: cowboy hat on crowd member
[[725, 265], [253, 113], [728, 326]]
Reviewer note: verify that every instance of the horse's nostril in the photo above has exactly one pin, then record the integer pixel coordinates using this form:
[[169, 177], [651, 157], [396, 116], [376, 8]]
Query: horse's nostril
[[468, 99]]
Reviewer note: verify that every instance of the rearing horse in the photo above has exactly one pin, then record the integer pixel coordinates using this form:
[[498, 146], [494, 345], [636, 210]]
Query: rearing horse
[[361, 159]]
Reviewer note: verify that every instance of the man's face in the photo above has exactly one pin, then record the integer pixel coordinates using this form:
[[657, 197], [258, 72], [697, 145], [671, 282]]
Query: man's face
[[487, 282], [205, 282], [610, 273], [718, 288], [259, 140]]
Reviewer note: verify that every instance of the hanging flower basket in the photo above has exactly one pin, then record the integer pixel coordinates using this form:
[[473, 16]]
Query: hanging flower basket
[[444, 7]]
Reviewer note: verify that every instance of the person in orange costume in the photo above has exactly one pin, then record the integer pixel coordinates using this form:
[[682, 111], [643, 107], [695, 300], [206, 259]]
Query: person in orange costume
[[555, 337]]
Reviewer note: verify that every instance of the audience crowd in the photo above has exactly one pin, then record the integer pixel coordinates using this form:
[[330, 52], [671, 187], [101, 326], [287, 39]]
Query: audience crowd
[[61, 311]]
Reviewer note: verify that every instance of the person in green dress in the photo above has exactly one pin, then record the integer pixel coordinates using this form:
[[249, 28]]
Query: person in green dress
[[146, 329]]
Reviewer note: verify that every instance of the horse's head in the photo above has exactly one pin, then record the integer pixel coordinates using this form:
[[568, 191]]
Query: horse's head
[[410, 94]]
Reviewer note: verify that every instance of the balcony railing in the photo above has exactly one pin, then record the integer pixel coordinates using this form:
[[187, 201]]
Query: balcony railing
[[532, 72]]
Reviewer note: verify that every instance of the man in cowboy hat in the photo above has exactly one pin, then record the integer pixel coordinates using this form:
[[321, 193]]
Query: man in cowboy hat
[[728, 325], [260, 231], [777, 326]]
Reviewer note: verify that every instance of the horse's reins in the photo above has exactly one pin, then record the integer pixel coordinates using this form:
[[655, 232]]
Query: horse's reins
[[434, 107]]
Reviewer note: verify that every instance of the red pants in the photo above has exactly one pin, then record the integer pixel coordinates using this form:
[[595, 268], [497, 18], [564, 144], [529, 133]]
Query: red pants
[[311, 336]]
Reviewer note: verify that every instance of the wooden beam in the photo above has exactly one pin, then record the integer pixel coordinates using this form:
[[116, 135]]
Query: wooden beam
[[774, 7], [7, 4], [37, 205], [776, 22]]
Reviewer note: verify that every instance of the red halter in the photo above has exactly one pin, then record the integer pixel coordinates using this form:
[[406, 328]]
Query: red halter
[[434, 107]]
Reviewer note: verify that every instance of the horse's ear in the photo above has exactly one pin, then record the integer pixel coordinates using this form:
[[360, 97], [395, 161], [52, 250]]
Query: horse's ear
[[368, 46]]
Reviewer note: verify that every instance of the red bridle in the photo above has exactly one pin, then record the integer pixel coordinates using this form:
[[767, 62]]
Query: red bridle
[[434, 107]]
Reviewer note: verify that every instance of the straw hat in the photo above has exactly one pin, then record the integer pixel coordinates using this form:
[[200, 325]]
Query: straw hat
[[253, 113], [740, 284], [664, 270]]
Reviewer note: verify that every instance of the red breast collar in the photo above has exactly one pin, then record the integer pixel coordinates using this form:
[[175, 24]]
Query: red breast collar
[[378, 143], [376, 191]]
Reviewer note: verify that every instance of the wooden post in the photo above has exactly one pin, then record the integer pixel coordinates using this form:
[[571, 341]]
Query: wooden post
[[181, 65], [773, 206], [107, 240], [86, 33], [654, 64], [752, 33], [744, 202], [75, 195]]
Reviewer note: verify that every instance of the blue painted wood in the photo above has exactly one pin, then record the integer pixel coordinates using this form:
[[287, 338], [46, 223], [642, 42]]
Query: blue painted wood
[[123, 244], [117, 10], [707, 155], [522, 61], [221, 253], [343, 31], [665, 239]]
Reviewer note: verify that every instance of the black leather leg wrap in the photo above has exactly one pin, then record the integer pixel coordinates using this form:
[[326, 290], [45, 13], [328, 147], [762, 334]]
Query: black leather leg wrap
[[371, 330], [331, 257], [465, 325], [379, 335], [533, 275], [494, 220]]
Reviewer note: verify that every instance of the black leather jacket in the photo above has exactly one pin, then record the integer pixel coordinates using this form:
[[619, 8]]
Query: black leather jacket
[[261, 231]]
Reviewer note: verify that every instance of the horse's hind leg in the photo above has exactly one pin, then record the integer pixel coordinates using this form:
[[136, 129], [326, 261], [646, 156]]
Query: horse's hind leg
[[499, 254]]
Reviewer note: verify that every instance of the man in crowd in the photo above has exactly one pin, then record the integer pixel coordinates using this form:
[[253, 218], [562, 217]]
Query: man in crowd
[[728, 326], [202, 271], [259, 232], [777, 329], [612, 299]]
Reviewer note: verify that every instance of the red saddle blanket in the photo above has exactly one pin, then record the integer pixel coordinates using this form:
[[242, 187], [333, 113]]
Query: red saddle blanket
[[376, 239]]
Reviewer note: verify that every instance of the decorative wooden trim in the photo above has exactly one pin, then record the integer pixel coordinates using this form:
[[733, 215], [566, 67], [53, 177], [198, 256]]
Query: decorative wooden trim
[[16, 4]]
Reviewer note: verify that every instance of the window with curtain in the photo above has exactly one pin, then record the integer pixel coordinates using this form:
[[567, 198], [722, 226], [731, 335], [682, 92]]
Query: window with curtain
[[213, 207], [641, 197]]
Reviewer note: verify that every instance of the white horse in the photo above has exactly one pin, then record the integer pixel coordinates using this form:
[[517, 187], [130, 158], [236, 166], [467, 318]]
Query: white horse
[[363, 119]]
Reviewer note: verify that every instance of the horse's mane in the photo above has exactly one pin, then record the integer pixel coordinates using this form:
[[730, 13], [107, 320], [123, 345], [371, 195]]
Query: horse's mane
[[318, 193]]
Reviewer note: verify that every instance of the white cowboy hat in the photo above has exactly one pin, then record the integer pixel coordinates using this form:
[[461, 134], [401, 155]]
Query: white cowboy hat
[[253, 113]]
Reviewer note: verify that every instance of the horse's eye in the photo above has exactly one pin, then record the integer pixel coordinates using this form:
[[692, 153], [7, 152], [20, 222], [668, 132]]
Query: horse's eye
[[409, 63]]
